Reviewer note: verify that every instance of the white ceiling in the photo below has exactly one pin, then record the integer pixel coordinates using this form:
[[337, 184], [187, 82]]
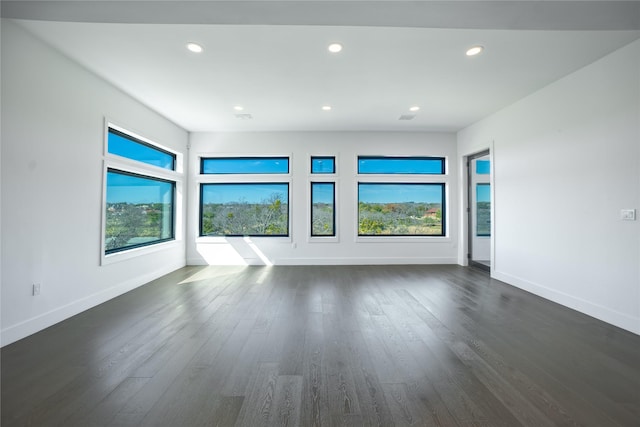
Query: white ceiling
[[282, 73]]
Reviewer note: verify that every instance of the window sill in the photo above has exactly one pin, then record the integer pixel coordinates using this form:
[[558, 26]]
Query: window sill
[[137, 252]]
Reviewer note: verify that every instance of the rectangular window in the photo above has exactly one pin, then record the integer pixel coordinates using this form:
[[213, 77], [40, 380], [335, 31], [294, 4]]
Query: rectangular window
[[139, 211], [244, 209], [401, 209], [401, 165], [483, 167], [483, 209], [244, 165], [323, 212], [323, 164], [124, 145]]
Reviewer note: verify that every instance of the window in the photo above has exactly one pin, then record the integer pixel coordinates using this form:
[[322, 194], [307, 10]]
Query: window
[[401, 165], [401, 209], [323, 213], [140, 193], [483, 167], [483, 209], [132, 148], [323, 164], [139, 211], [244, 209], [244, 165]]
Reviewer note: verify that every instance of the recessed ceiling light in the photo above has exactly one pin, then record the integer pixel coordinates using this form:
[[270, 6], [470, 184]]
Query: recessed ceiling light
[[335, 47], [414, 108], [475, 50], [326, 108], [238, 108], [195, 47]]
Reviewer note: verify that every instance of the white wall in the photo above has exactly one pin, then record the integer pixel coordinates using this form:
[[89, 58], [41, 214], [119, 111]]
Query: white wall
[[348, 249], [52, 180], [566, 161]]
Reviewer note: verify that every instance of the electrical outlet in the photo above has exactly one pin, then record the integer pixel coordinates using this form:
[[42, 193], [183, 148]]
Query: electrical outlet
[[628, 214], [36, 289]]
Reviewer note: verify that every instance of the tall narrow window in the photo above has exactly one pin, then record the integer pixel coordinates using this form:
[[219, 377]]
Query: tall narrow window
[[483, 209], [323, 213]]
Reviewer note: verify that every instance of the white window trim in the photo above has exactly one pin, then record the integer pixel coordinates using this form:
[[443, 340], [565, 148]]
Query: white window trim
[[201, 178], [404, 178], [112, 161], [324, 179]]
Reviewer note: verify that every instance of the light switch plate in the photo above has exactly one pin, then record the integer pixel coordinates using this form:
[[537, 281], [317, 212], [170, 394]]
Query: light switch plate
[[628, 214]]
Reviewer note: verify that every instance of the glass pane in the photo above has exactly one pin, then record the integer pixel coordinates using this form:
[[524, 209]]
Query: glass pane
[[401, 165], [323, 165], [139, 211], [123, 145], [244, 165], [483, 167], [323, 209], [244, 209], [403, 209], [483, 209]]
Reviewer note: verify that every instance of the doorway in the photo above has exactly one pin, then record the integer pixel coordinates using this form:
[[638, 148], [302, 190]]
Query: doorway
[[479, 210]]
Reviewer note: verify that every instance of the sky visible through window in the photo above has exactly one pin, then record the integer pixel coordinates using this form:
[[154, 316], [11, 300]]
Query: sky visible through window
[[323, 192], [399, 165], [241, 192], [120, 145], [483, 167], [245, 165], [399, 193], [483, 192], [125, 188], [323, 164]]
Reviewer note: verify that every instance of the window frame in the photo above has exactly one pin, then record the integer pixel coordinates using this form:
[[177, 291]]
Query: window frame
[[442, 160], [173, 212], [204, 159], [323, 237], [257, 178], [316, 174], [201, 206], [443, 213], [144, 170], [398, 178], [477, 216]]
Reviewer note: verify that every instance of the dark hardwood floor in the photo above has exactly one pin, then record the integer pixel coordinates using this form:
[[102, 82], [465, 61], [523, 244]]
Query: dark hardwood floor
[[324, 345]]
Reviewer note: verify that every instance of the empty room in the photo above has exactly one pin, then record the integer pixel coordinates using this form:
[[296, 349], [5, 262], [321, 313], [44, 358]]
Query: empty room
[[320, 213]]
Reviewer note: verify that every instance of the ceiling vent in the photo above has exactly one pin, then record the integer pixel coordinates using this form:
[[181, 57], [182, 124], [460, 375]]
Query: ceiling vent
[[407, 117], [244, 116]]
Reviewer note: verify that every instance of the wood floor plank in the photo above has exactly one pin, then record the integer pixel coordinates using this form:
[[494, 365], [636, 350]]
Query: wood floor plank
[[316, 346], [259, 399]]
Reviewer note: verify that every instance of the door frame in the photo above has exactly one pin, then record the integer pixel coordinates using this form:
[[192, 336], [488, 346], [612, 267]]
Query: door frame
[[469, 222]]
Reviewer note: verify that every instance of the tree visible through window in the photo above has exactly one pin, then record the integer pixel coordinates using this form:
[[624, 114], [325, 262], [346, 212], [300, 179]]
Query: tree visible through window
[[483, 209], [400, 209], [244, 209], [323, 213], [139, 211], [139, 193]]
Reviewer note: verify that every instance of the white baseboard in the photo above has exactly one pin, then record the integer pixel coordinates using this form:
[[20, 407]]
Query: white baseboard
[[31, 326], [342, 261], [616, 318]]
